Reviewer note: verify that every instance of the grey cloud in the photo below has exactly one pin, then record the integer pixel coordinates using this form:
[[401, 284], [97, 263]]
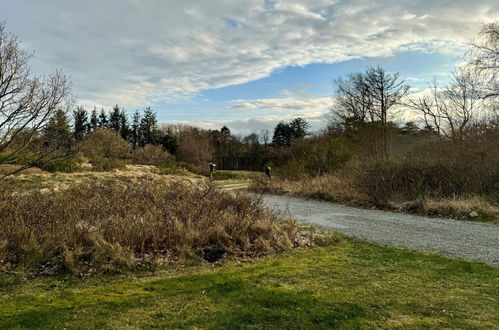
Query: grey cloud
[[139, 52]]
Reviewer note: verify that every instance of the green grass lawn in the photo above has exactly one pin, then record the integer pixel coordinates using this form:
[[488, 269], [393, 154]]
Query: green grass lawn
[[350, 284], [240, 176]]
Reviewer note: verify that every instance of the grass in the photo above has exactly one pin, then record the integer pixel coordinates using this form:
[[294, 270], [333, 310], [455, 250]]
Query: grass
[[348, 284], [235, 176], [35, 179]]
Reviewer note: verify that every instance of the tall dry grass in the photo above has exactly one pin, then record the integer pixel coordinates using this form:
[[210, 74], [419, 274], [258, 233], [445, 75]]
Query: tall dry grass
[[91, 228]]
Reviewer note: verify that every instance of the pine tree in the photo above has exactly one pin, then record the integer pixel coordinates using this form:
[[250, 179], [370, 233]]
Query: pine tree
[[94, 120], [115, 119], [103, 121], [81, 126], [124, 127], [299, 128], [57, 134], [282, 135], [149, 128], [134, 135]]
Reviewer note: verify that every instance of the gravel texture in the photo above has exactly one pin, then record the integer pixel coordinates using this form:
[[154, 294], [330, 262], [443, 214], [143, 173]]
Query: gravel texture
[[451, 238]]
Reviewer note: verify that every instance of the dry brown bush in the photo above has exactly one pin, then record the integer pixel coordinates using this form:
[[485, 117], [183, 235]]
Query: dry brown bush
[[90, 228], [151, 155]]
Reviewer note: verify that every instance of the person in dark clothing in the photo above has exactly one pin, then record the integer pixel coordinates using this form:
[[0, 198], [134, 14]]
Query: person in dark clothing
[[268, 172]]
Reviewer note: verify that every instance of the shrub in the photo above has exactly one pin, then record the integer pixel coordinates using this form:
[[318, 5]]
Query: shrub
[[94, 228], [316, 156], [413, 179], [105, 143], [66, 165], [151, 155]]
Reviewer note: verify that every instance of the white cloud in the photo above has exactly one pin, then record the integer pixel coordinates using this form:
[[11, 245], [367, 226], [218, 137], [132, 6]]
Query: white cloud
[[140, 52]]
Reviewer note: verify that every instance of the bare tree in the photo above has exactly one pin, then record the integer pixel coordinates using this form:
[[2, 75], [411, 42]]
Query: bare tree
[[452, 109], [26, 102], [369, 97], [352, 99], [386, 90], [484, 58]]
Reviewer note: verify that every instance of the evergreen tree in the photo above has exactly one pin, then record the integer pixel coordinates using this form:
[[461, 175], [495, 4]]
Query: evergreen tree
[[94, 120], [282, 135], [103, 121], [81, 126], [115, 119], [57, 133], [169, 141], [124, 127], [299, 128], [149, 128], [134, 134]]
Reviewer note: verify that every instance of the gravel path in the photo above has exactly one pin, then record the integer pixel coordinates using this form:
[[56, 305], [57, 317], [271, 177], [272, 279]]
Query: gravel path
[[451, 238]]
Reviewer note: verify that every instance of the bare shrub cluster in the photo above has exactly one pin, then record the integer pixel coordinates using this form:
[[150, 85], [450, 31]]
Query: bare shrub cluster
[[413, 179], [92, 228]]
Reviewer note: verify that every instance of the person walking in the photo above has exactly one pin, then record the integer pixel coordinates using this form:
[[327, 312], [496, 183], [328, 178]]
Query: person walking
[[268, 172]]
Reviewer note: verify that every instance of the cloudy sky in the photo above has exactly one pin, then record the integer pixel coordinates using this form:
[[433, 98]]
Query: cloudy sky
[[243, 63]]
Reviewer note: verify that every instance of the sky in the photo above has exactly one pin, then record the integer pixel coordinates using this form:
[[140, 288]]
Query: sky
[[245, 64]]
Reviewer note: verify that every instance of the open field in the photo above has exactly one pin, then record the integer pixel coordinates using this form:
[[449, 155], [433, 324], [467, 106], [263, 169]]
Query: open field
[[348, 284]]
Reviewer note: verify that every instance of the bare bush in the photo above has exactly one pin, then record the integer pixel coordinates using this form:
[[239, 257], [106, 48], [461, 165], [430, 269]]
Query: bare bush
[[196, 146]]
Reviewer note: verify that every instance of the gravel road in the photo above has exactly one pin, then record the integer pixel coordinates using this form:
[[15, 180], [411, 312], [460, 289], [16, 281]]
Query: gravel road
[[451, 238]]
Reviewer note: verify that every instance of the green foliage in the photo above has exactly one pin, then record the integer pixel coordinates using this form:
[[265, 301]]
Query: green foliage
[[57, 135], [286, 133], [149, 131], [65, 165], [94, 120], [81, 125], [235, 175]]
